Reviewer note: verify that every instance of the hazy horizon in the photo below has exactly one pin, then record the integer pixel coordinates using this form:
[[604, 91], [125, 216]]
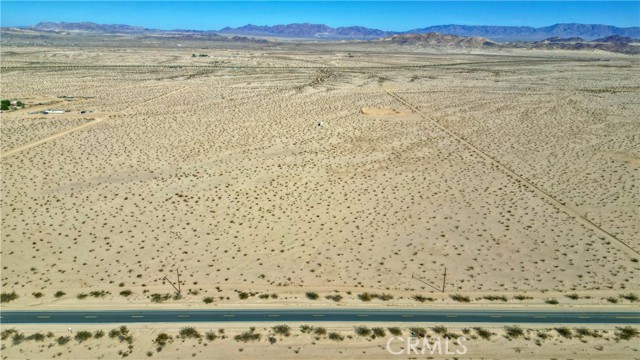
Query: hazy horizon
[[383, 15]]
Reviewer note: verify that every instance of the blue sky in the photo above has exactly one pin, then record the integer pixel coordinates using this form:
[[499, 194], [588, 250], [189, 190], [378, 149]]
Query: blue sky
[[385, 15]]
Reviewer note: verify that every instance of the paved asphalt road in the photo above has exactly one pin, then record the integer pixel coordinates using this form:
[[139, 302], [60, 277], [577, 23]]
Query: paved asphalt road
[[316, 315]]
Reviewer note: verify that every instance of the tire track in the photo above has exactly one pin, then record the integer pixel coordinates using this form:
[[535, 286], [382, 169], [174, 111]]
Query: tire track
[[558, 204], [50, 138]]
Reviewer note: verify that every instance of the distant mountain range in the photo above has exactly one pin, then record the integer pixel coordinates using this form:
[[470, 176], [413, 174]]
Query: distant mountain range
[[320, 31], [526, 33]]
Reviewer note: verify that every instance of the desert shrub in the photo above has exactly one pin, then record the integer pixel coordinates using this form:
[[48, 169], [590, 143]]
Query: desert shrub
[[312, 295], [612, 300], [208, 300], [513, 331], [630, 297], [247, 336], [36, 337], [305, 329], [522, 297], [100, 293], [189, 333], [81, 296], [335, 336], [283, 330], [564, 332], [243, 295], [263, 296], [98, 334], [63, 340], [158, 298], [483, 333], [418, 331], [586, 332], [162, 339], [378, 332], [422, 298], [83, 336], [320, 331], [495, 298], [59, 294], [441, 330], [363, 331], [395, 331], [125, 293], [4, 104], [460, 298], [211, 336], [626, 333], [5, 334], [335, 298], [551, 301], [573, 296], [6, 297], [364, 297], [37, 295], [18, 338]]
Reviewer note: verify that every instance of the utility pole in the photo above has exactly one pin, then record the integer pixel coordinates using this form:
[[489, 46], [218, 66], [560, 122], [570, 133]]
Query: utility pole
[[444, 280], [179, 288]]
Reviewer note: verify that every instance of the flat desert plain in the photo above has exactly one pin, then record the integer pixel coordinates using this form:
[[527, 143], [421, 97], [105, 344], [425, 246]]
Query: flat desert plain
[[318, 175], [322, 169]]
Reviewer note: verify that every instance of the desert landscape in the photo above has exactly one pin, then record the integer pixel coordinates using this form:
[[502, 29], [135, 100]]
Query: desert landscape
[[300, 174]]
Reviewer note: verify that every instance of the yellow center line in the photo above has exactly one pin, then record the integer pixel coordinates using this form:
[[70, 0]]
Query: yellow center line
[[90, 317], [43, 317], [584, 317], [318, 315], [228, 315], [136, 316], [407, 315], [183, 316], [496, 316]]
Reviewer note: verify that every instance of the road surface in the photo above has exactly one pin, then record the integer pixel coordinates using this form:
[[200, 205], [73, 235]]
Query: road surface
[[319, 315]]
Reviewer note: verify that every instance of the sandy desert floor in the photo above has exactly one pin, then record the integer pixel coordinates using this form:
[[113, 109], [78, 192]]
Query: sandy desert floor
[[319, 341], [517, 171]]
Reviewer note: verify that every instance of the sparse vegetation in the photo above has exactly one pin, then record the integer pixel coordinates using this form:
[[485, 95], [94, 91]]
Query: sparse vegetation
[[283, 330], [626, 333], [247, 336], [7, 297], [513, 332], [363, 331], [460, 298], [83, 336], [395, 331], [189, 333]]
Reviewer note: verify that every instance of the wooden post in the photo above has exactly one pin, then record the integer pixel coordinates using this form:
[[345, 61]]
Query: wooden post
[[178, 272], [444, 280]]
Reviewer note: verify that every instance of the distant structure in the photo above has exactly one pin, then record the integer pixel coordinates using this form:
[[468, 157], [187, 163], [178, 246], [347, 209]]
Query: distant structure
[[52, 112], [321, 124]]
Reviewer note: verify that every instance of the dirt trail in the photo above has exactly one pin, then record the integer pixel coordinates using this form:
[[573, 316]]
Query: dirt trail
[[49, 138], [583, 220]]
